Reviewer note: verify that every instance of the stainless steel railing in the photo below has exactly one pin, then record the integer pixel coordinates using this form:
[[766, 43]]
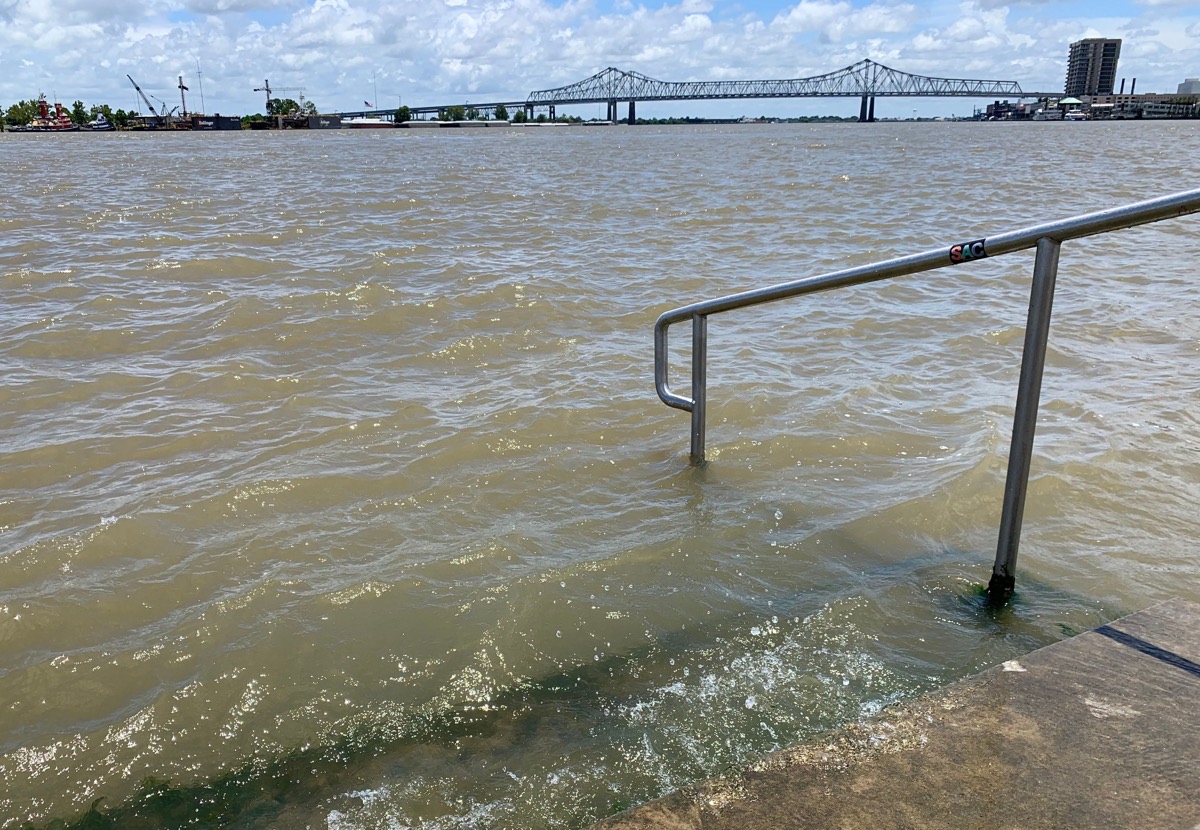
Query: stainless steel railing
[[1046, 238]]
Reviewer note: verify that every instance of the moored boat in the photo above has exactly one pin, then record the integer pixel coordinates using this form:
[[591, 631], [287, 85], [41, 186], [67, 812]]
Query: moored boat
[[365, 122], [207, 123], [324, 122], [59, 122]]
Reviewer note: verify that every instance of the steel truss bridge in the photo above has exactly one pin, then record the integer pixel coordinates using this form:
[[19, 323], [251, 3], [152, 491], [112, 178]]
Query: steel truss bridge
[[865, 80]]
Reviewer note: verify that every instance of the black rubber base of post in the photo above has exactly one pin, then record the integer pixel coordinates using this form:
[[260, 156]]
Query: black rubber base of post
[[1000, 589]]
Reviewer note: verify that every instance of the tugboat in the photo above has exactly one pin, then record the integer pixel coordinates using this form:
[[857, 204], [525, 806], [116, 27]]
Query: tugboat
[[100, 124], [59, 122]]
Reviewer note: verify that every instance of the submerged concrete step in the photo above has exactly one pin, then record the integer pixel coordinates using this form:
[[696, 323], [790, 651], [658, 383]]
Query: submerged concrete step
[[1098, 731]]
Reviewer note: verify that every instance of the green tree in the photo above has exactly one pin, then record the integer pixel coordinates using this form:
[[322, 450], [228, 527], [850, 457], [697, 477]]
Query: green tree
[[541, 119], [457, 112], [472, 114], [289, 106], [403, 115], [120, 119], [78, 114], [21, 113], [282, 106], [501, 113], [519, 117]]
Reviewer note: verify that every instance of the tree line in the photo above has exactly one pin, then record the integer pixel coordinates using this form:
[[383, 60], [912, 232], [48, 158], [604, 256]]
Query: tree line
[[22, 113]]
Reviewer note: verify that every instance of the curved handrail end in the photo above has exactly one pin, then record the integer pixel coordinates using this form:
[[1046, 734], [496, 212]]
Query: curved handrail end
[[661, 382]]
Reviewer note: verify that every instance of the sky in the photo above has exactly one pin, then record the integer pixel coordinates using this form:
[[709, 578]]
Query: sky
[[342, 54]]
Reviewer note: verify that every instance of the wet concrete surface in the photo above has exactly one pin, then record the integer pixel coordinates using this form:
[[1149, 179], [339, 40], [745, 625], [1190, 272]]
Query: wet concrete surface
[[1098, 731]]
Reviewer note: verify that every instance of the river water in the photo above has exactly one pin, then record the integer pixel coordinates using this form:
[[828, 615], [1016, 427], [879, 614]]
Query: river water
[[335, 492]]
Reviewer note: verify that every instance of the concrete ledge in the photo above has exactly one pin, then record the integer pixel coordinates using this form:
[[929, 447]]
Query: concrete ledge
[[1099, 731]]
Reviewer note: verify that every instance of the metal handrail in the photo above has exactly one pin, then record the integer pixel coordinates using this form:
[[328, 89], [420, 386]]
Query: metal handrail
[[1046, 238]]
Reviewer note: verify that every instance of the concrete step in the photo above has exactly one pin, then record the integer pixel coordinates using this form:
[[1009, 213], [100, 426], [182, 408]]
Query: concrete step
[[1098, 731]]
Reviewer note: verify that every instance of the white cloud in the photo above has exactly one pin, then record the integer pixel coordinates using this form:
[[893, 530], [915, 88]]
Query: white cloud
[[810, 16], [690, 28], [835, 22], [874, 19], [225, 6], [1008, 4]]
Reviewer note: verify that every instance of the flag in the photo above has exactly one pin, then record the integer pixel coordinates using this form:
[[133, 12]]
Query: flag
[[366, 103]]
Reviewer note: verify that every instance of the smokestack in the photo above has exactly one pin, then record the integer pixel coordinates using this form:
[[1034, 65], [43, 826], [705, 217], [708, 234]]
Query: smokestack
[[1133, 86], [1122, 92]]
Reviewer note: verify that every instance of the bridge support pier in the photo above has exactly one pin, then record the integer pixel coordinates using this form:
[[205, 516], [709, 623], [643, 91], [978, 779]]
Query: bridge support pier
[[611, 114], [529, 112], [866, 110], [632, 113], [552, 112]]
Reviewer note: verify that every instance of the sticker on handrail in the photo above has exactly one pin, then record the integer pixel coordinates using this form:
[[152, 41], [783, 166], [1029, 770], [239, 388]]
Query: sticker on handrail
[[968, 251]]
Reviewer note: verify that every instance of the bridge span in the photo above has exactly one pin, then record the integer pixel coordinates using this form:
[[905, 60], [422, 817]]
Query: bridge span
[[865, 80]]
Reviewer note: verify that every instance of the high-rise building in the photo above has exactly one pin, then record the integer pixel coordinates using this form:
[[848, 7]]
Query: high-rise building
[[1092, 66], [1189, 87]]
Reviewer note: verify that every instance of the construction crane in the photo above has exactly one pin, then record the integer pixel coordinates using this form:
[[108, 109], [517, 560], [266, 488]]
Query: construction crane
[[159, 119], [182, 97], [266, 87]]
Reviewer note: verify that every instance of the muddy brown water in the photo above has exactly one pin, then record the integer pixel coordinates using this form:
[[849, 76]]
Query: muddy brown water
[[334, 491]]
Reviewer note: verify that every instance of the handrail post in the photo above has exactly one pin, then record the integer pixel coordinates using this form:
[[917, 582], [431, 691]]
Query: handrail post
[[699, 384], [1029, 388]]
